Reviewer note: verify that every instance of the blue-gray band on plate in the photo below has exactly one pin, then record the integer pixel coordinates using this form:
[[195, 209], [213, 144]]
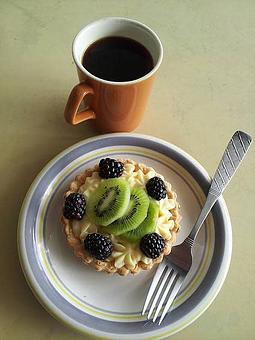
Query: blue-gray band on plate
[[80, 316]]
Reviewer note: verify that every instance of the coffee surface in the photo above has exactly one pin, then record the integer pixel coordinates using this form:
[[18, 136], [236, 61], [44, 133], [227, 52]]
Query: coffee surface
[[117, 59]]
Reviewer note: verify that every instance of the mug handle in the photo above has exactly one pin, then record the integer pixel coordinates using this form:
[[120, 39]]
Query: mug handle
[[76, 96]]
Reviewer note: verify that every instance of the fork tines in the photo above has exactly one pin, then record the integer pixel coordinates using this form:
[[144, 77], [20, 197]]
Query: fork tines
[[163, 290]]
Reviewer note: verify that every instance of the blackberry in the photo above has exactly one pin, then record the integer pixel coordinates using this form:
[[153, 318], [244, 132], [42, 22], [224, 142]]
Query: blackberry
[[74, 207], [156, 188], [99, 246], [110, 168], [152, 245]]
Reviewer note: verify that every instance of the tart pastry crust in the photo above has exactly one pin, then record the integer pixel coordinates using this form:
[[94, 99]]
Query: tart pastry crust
[[108, 266]]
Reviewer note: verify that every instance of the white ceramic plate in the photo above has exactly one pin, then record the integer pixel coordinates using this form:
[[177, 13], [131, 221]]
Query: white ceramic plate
[[110, 306]]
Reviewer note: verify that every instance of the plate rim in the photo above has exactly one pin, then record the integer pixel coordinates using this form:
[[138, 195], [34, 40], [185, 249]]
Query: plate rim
[[47, 304]]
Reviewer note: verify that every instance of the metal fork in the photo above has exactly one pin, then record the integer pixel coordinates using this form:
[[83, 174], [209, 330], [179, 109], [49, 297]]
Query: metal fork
[[174, 268]]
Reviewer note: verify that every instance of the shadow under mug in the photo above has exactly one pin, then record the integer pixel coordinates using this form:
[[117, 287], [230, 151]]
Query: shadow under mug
[[115, 106]]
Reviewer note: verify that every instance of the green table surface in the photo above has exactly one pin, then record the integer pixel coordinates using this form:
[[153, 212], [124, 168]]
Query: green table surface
[[205, 90]]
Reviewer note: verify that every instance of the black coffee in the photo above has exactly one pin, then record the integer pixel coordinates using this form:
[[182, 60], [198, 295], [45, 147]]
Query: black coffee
[[117, 59]]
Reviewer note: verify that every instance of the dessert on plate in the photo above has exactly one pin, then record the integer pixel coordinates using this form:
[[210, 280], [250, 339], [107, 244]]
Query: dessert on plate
[[120, 216]]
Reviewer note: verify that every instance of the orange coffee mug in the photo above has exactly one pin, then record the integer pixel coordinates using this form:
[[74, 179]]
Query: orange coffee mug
[[115, 106]]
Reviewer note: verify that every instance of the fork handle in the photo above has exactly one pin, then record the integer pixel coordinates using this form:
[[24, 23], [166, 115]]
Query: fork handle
[[232, 157]]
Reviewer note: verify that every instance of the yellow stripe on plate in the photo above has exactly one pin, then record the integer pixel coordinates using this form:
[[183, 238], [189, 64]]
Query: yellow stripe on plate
[[139, 151]]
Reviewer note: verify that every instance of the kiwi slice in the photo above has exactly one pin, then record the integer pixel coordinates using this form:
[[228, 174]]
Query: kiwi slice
[[133, 216], [147, 226], [108, 202]]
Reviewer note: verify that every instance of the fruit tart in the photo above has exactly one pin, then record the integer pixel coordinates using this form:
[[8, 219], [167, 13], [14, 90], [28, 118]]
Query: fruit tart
[[120, 216]]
